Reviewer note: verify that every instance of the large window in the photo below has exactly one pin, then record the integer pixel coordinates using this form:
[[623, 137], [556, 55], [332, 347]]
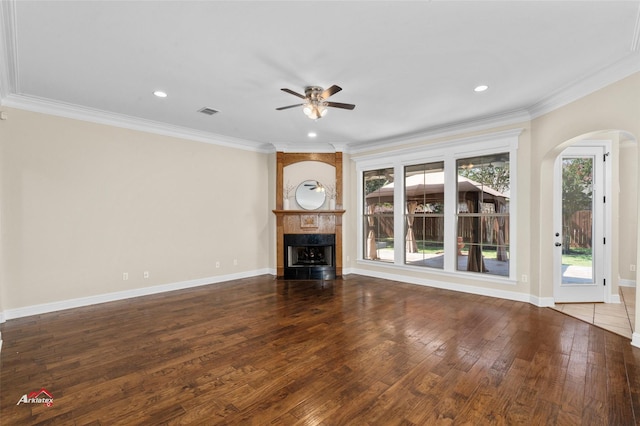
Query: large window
[[378, 210], [483, 187], [451, 208], [424, 214]]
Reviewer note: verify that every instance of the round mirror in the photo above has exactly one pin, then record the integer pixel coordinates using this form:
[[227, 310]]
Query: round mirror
[[310, 195]]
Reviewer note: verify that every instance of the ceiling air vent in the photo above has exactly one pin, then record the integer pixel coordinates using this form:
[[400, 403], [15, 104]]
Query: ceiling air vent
[[208, 111]]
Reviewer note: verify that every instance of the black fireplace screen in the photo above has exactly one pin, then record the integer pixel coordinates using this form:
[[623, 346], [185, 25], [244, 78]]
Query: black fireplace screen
[[309, 256]]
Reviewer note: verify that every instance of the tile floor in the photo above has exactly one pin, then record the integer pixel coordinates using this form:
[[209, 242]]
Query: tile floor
[[615, 317]]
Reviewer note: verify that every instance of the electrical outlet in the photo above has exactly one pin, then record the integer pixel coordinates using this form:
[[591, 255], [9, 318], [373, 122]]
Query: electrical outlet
[[525, 278], [146, 274], [217, 264], [347, 258], [235, 262], [632, 268], [125, 276]]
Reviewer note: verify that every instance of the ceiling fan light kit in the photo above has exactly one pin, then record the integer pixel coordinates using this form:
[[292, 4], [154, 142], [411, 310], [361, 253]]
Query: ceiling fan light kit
[[315, 105], [314, 111]]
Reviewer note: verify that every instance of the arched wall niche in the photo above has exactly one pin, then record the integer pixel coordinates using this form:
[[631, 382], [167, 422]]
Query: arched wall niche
[[286, 159], [296, 173]]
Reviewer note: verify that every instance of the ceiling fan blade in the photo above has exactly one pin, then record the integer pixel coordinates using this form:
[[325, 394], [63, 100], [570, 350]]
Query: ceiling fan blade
[[330, 91], [294, 93], [340, 105], [287, 107]]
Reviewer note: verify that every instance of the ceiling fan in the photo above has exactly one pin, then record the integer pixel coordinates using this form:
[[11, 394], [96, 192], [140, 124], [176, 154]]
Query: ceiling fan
[[315, 105], [314, 186]]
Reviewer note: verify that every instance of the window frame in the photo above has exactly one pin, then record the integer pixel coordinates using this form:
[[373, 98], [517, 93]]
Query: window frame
[[423, 216], [449, 152], [379, 217]]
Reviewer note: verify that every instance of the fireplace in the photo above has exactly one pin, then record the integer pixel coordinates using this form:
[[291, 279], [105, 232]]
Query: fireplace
[[309, 256]]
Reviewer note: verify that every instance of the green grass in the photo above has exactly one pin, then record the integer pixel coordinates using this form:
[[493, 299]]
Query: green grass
[[578, 257], [429, 248]]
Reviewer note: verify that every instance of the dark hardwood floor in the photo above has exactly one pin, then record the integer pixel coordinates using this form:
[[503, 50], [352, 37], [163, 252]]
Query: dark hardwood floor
[[353, 351]]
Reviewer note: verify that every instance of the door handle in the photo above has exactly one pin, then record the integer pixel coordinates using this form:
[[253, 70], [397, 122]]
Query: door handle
[[558, 244]]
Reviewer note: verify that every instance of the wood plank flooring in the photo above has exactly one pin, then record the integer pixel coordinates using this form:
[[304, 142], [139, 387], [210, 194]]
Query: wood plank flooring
[[360, 351]]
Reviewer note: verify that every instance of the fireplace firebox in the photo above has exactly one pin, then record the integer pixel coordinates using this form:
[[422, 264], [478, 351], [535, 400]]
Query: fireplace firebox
[[309, 256]]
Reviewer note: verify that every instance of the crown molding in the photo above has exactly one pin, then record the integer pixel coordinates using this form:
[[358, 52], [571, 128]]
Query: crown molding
[[8, 52], [479, 124], [595, 80], [76, 112], [307, 149], [318, 147], [635, 41], [590, 83], [505, 138]]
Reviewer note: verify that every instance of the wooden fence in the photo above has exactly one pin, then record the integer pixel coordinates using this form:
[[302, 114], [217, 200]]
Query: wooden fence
[[578, 230]]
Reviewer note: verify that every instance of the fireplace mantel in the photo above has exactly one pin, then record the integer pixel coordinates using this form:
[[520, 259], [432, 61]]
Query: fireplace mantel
[[308, 222]]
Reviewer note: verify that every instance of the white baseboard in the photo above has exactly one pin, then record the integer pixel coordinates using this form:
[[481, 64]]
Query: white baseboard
[[121, 295], [542, 302], [626, 283], [144, 291], [481, 291]]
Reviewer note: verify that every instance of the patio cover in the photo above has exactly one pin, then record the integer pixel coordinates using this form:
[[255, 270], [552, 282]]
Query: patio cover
[[416, 187], [432, 183]]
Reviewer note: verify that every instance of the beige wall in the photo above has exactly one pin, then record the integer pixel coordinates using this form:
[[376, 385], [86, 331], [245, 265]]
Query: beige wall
[[611, 113], [628, 208], [82, 203]]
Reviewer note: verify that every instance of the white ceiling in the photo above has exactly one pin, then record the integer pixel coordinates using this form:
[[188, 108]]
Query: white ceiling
[[410, 67]]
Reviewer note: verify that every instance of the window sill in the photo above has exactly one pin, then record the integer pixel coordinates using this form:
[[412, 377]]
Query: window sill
[[471, 276]]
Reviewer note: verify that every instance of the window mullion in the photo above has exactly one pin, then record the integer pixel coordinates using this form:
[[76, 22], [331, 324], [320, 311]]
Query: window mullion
[[398, 215], [451, 214]]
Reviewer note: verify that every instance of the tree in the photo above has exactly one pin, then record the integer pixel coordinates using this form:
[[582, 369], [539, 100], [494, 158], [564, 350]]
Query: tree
[[494, 177], [498, 179], [372, 185], [577, 191], [376, 179]]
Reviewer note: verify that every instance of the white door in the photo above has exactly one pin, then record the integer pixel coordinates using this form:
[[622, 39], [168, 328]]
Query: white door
[[580, 257]]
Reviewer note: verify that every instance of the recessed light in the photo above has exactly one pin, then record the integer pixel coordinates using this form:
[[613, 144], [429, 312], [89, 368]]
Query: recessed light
[[481, 88], [160, 94], [312, 134]]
